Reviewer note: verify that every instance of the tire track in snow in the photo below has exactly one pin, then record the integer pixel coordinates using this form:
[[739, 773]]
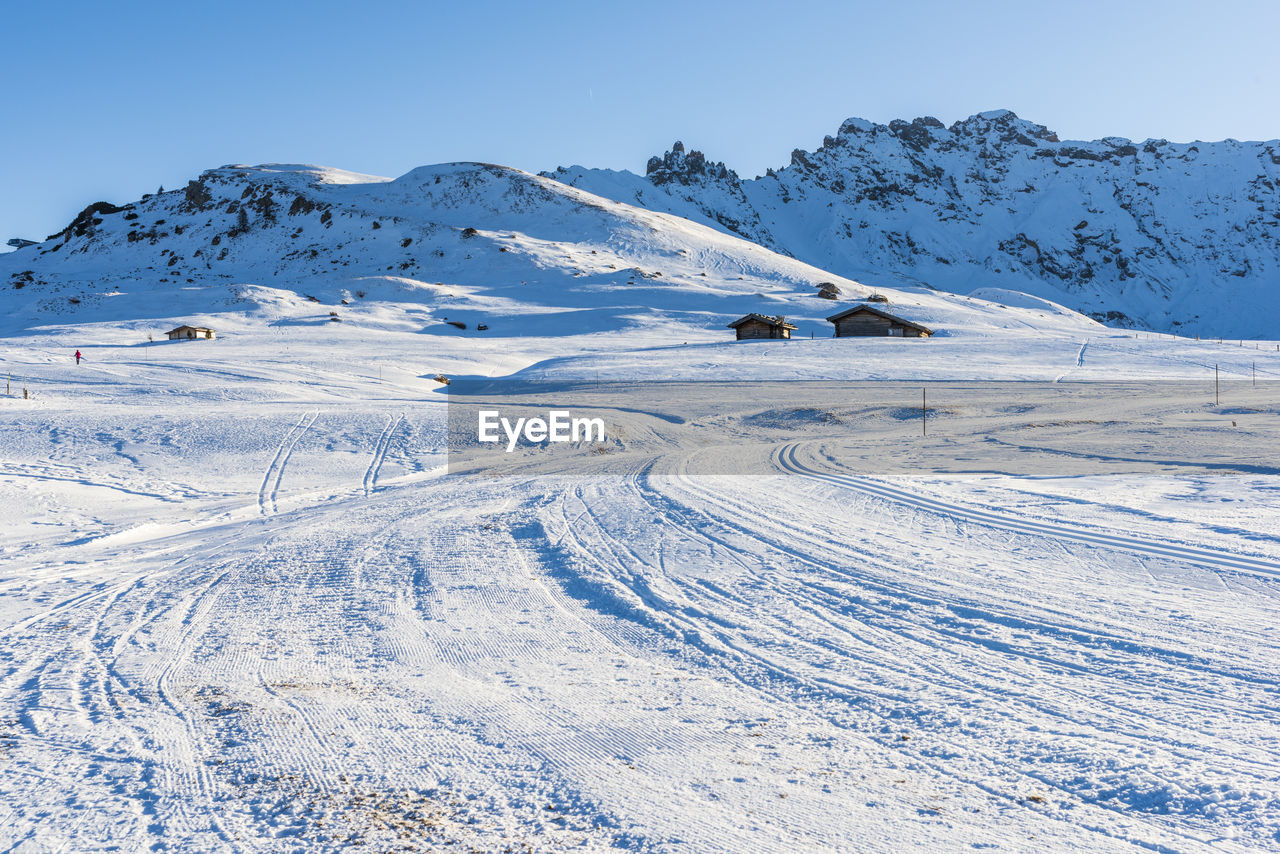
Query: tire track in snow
[[587, 535], [73, 604], [72, 682], [517, 617], [380, 448], [336, 580], [732, 645], [817, 549], [312, 576], [1120, 719], [786, 458], [186, 769], [270, 488]]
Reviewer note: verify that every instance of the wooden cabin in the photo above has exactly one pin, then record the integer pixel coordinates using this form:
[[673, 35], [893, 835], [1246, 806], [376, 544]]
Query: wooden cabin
[[184, 332], [753, 327], [865, 320]]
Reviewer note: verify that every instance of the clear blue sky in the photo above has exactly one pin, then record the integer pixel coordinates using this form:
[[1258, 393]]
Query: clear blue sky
[[108, 100]]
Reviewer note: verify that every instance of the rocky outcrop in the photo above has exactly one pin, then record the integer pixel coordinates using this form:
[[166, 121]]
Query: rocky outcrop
[[686, 169]]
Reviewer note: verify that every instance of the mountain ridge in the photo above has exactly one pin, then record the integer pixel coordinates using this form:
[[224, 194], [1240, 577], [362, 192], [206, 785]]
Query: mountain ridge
[[1180, 237], [1152, 234]]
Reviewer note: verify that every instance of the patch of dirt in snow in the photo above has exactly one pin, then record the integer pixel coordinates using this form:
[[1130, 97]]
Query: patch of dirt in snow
[[366, 814]]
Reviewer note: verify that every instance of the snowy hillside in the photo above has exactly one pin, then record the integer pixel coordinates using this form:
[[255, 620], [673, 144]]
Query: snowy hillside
[[457, 242], [1167, 236], [441, 251], [471, 243]]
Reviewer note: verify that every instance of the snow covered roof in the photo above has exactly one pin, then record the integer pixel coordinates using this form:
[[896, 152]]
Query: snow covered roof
[[858, 309], [779, 320]]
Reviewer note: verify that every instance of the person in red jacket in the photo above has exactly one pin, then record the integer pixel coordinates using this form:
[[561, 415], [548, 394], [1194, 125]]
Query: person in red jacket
[[77, 357]]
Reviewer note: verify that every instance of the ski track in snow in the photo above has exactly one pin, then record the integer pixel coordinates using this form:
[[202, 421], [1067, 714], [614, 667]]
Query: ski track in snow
[[711, 617], [269, 491], [370, 481], [788, 460], [611, 646]]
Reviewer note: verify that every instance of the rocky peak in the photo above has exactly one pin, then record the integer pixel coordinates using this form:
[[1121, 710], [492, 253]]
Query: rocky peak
[[1002, 126], [855, 126], [679, 167]]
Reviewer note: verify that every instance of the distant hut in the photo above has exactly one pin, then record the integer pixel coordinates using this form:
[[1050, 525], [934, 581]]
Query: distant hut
[[756, 326], [183, 332], [866, 320]]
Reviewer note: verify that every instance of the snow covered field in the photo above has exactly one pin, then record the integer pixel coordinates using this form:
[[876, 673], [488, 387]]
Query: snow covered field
[[245, 608]]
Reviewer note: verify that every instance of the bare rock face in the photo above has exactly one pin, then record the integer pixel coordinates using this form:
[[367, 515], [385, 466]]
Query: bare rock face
[[87, 221], [196, 195]]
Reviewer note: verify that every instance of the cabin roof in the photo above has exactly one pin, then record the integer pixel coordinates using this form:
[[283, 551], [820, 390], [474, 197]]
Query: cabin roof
[[189, 326], [869, 309], [779, 320]]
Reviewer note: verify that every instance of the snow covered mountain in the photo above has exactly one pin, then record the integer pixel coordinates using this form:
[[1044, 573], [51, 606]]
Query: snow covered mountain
[[1170, 236], [455, 249], [290, 239]]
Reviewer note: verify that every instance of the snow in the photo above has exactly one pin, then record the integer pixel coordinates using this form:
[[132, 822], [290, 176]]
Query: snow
[[246, 608], [312, 172]]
